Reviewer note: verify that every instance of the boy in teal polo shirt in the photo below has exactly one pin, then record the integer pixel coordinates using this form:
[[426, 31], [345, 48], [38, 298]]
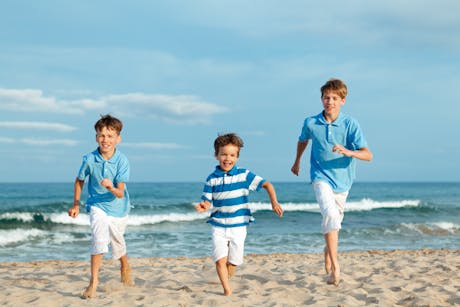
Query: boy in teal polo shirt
[[336, 140], [107, 170]]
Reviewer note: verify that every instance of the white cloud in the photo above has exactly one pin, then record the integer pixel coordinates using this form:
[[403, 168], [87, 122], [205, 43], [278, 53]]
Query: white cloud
[[39, 142], [153, 145], [31, 100], [37, 125], [173, 108]]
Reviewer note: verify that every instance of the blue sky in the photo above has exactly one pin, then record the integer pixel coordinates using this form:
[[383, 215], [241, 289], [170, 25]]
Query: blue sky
[[180, 72]]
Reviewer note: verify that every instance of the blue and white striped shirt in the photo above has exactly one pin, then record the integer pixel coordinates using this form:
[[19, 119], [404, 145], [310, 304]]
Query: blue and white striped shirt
[[228, 193]]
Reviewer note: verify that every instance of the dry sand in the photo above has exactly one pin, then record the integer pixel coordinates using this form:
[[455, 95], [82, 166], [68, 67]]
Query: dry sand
[[372, 278]]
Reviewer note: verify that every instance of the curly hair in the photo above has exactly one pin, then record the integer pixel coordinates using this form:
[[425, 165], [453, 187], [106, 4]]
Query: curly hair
[[225, 139]]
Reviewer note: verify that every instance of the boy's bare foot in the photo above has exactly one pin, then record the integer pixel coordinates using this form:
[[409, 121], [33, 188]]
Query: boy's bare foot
[[227, 292], [126, 276], [89, 292], [334, 278]]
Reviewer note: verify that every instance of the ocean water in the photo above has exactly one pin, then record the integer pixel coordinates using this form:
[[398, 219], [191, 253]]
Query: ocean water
[[34, 224]]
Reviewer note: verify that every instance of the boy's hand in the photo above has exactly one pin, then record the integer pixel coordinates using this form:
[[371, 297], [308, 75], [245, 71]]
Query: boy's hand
[[295, 169], [277, 209], [339, 149], [203, 206], [107, 183], [74, 211]]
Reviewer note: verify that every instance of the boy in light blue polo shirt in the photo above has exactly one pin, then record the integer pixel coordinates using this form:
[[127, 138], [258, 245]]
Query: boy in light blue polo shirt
[[107, 170], [336, 140]]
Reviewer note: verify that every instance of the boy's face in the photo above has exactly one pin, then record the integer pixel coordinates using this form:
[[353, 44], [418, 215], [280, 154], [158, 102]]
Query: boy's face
[[332, 102], [107, 139], [228, 156]]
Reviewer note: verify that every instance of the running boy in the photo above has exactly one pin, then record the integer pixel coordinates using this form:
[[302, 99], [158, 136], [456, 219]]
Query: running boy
[[227, 189], [108, 203], [336, 139]]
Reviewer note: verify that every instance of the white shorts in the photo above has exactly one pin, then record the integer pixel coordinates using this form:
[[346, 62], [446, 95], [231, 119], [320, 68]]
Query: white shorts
[[107, 230], [228, 242], [331, 204]]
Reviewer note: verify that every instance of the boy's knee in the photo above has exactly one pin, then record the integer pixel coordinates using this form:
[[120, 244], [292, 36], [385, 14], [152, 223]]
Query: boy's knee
[[222, 261]]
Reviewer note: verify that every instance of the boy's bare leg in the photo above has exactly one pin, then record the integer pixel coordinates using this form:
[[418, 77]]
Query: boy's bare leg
[[96, 261], [230, 269], [332, 242], [125, 269], [327, 261], [222, 272]]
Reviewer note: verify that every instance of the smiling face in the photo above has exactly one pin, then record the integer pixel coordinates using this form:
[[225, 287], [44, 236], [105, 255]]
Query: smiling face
[[227, 156], [332, 102], [107, 139]]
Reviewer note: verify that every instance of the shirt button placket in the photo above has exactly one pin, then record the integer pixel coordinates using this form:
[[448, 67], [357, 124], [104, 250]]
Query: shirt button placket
[[103, 170]]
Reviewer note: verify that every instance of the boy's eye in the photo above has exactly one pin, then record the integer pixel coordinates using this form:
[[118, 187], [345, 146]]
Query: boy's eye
[[106, 136]]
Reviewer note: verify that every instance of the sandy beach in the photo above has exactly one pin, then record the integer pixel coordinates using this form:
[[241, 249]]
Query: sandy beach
[[383, 278]]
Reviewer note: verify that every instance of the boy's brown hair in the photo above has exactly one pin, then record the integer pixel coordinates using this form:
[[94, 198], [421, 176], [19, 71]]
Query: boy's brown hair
[[109, 122], [336, 86], [225, 139]]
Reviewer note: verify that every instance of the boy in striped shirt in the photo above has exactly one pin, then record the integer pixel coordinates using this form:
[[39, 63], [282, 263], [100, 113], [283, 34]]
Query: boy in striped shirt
[[227, 190]]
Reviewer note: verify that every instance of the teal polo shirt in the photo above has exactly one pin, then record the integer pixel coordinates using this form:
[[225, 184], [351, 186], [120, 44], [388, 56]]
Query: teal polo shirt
[[96, 168], [335, 169]]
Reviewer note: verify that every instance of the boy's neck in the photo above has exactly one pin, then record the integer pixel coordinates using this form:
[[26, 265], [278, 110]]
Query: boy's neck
[[330, 117], [106, 155], [224, 171]]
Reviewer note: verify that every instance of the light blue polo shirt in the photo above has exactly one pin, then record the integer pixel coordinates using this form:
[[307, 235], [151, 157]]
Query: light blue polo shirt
[[96, 168], [335, 169]]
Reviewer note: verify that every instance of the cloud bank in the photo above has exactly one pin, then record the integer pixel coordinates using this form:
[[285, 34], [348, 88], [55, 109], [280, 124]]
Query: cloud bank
[[185, 109]]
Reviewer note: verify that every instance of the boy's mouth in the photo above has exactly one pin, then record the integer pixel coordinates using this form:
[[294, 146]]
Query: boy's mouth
[[105, 146]]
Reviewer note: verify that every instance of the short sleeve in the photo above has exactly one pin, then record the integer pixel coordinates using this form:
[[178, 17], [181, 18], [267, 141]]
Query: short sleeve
[[207, 192], [84, 169], [122, 171], [356, 135], [305, 133], [254, 181]]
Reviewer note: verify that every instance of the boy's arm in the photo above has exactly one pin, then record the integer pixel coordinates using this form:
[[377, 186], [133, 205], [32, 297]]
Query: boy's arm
[[272, 194], [78, 187], [362, 154], [118, 191], [300, 149]]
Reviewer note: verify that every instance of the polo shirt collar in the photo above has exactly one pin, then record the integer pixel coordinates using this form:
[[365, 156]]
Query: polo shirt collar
[[100, 159], [336, 122], [219, 172]]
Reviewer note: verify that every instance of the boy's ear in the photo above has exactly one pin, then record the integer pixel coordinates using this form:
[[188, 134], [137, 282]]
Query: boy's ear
[[344, 100]]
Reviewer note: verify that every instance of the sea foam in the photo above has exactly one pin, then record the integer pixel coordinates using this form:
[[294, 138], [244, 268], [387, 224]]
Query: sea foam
[[19, 235], [175, 217], [365, 204]]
